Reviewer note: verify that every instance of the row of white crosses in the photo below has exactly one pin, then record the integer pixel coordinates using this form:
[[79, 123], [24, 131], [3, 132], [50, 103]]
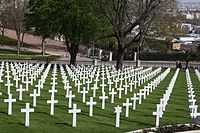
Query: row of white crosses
[[150, 87], [139, 77], [67, 87], [26, 73], [116, 77], [146, 91], [36, 93], [52, 101], [198, 74], [10, 99], [89, 81], [8, 77], [69, 95], [53, 90], [103, 97], [164, 100], [121, 90], [88, 77], [35, 71], [21, 72], [1, 72], [191, 96]]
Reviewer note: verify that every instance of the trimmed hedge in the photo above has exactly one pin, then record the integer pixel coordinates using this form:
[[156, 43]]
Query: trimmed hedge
[[170, 56], [175, 56]]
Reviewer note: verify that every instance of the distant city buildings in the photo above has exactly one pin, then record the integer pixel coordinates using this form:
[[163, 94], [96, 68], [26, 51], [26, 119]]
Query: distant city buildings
[[189, 5], [188, 43], [191, 10], [191, 40]]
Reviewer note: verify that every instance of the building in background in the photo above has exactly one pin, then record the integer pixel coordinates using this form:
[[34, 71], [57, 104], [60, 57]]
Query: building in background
[[186, 44]]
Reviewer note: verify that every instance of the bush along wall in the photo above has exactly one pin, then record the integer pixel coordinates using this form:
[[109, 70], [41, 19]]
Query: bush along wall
[[163, 56], [170, 56]]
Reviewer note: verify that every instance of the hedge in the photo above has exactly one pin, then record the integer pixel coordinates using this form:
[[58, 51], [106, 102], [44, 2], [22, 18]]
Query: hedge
[[170, 56]]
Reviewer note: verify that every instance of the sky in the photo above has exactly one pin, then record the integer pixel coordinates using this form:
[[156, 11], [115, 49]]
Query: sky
[[189, 0]]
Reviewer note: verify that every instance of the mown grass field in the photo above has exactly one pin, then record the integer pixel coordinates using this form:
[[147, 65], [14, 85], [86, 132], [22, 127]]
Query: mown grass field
[[25, 55], [6, 54], [103, 121]]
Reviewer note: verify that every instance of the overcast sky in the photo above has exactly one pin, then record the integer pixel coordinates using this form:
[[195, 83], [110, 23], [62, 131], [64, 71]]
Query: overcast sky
[[189, 0]]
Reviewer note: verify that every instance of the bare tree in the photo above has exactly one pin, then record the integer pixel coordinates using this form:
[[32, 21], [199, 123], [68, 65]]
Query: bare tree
[[163, 23], [16, 14], [129, 20], [3, 16], [166, 22]]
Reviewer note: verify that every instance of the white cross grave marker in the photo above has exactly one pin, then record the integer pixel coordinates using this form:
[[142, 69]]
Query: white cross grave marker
[[134, 99], [27, 112], [70, 97], [84, 92], [91, 103], [52, 102], [118, 110], [127, 104], [34, 95], [112, 93], [9, 101], [103, 98], [20, 90], [74, 112]]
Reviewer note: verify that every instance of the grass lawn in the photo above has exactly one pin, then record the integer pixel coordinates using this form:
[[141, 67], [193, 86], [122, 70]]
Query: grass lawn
[[25, 55], [103, 121], [7, 41], [4, 40]]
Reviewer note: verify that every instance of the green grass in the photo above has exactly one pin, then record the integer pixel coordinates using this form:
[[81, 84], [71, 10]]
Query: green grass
[[4, 40], [25, 55], [177, 111], [103, 121], [13, 52], [7, 41]]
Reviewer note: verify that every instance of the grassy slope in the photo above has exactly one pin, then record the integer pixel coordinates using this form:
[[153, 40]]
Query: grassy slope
[[7, 41], [103, 121], [12, 54]]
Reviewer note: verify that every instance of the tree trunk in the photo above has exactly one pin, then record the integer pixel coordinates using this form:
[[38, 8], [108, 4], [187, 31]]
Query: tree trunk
[[43, 46], [22, 40], [139, 51], [120, 54], [138, 56], [18, 47], [18, 34], [3, 31], [120, 59], [73, 53]]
